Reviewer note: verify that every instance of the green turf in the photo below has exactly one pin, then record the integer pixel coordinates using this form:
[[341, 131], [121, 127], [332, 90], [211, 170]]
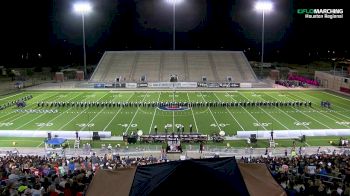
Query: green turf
[[38, 142], [204, 120]]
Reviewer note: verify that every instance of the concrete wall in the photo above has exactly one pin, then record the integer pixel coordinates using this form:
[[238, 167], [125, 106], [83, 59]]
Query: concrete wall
[[330, 81]]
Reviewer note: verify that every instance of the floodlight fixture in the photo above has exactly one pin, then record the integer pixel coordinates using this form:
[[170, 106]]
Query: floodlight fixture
[[174, 1], [264, 6], [82, 7]]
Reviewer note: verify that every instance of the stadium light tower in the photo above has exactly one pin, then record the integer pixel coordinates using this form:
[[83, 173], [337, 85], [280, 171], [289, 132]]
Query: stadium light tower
[[174, 2], [263, 6], [83, 8]]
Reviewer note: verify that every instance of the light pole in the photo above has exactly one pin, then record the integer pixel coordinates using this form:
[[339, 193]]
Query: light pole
[[174, 2], [83, 8], [263, 6]]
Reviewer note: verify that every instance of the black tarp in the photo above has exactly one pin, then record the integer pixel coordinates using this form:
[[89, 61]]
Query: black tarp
[[218, 176]]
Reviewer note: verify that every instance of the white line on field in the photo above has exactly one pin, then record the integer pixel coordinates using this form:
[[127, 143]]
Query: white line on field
[[174, 113], [79, 114], [313, 97], [154, 114], [268, 113], [195, 123], [64, 111], [32, 119], [247, 112], [287, 113], [19, 115], [309, 116], [230, 112], [138, 108], [87, 124], [217, 124], [39, 144], [326, 115], [337, 96], [115, 115], [11, 96], [104, 129]]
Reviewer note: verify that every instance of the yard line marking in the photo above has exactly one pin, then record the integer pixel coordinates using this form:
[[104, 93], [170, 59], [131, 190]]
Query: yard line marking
[[93, 118], [115, 115], [309, 116], [96, 115], [79, 113], [154, 114], [33, 118], [138, 108], [173, 121], [339, 103], [39, 144], [217, 124], [173, 113], [286, 112], [195, 123], [11, 96], [247, 111], [319, 112], [104, 129], [230, 112], [267, 113], [64, 111], [333, 104], [327, 109], [16, 115], [337, 96]]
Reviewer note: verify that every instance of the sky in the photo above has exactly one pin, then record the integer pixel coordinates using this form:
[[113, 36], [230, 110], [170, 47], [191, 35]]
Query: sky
[[49, 33]]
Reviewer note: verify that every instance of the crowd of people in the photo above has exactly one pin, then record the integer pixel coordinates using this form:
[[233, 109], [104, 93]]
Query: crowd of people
[[291, 83], [36, 176], [303, 79], [299, 174], [318, 174]]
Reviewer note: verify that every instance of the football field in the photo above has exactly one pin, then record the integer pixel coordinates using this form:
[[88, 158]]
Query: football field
[[205, 120]]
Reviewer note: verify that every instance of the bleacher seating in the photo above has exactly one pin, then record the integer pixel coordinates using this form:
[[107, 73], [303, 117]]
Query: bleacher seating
[[216, 66]]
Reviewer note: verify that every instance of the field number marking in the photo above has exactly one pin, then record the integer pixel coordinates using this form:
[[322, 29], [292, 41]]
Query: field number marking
[[220, 125], [343, 123], [302, 123], [44, 124], [6, 124], [261, 124], [85, 125], [126, 125]]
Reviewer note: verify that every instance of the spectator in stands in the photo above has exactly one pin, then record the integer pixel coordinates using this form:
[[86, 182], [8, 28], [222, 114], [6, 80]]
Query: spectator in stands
[[201, 146]]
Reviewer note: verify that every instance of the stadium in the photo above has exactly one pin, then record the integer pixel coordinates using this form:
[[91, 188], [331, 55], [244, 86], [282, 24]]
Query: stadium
[[142, 104]]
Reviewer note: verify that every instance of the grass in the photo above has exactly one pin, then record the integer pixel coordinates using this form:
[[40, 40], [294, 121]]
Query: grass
[[204, 120], [38, 142]]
